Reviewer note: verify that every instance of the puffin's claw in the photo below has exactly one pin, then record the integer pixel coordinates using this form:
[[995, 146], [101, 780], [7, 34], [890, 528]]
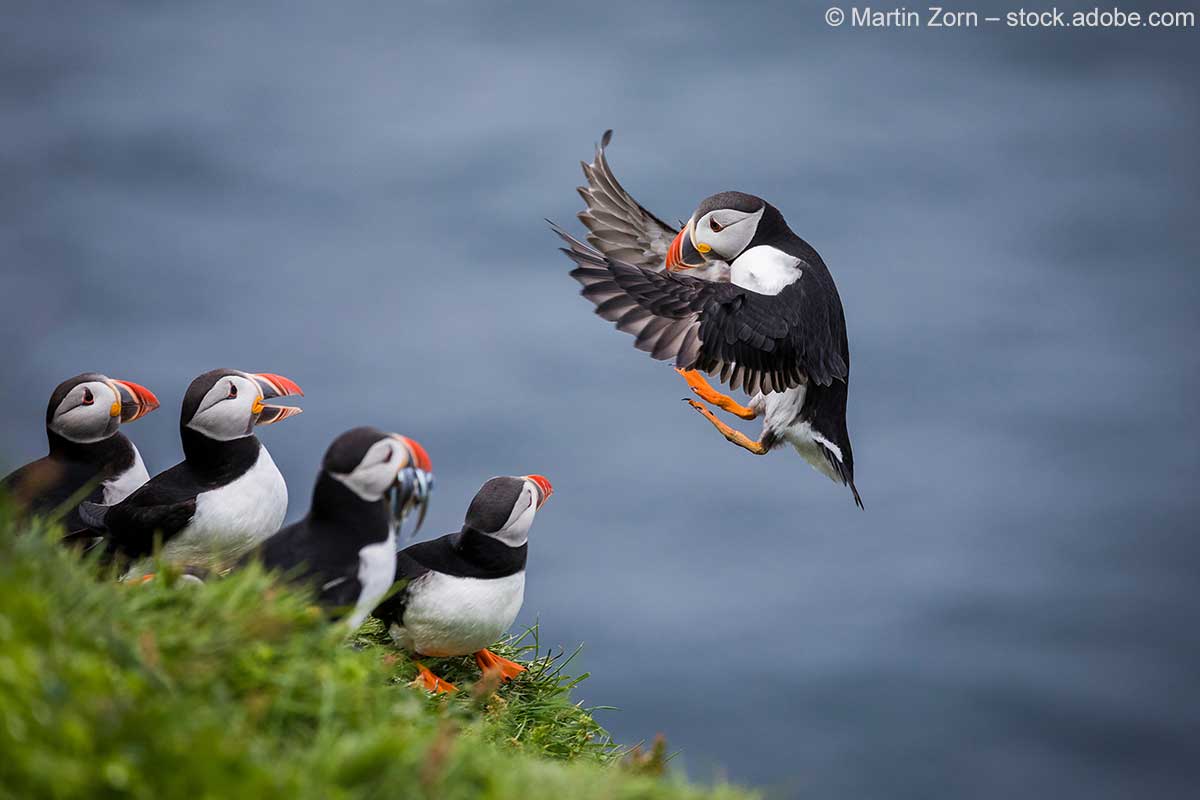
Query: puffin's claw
[[432, 683], [736, 437], [490, 662]]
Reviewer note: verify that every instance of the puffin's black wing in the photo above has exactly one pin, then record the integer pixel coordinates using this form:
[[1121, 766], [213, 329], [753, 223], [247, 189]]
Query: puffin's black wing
[[619, 226], [304, 552], [46, 484], [163, 506], [755, 342], [294, 549]]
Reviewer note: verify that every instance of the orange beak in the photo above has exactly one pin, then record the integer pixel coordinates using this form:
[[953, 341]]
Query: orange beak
[[682, 253], [543, 484], [136, 400], [420, 458], [273, 385]]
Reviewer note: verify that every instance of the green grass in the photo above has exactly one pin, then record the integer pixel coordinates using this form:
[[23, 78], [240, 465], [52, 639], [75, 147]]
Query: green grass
[[240, 688]]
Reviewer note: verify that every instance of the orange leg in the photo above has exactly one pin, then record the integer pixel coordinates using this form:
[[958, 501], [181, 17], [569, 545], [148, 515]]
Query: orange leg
[[737, 437], [432, 683], [489, 662], [722, 401]]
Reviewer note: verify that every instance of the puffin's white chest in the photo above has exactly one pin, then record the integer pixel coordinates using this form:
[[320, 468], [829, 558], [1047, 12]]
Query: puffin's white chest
[[231, 519], [376, 573], [123, 485], [450, 616], [765, 269]]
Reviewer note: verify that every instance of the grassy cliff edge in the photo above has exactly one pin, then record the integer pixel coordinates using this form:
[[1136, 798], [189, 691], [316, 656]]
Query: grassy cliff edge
[[240, 688]]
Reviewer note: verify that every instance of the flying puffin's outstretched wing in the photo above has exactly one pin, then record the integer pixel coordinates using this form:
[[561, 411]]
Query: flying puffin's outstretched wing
[[619, 226], [756, 342]]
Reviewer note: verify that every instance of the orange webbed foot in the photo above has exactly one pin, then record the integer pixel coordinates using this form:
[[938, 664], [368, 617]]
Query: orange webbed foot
[[490, 662], [432, 683]]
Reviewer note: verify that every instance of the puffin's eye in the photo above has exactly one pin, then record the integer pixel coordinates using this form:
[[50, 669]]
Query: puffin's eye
[[88, 397], [387, 455], [232, 392], [714, 225]]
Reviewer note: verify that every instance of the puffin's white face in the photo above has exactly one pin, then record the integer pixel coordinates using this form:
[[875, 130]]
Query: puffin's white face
[[230, 409], [89, 413], [724, 233], [534, 494], [376, 472]]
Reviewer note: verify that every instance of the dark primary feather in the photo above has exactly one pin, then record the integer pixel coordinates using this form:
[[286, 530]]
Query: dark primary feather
[[619, 226], [755, 342]]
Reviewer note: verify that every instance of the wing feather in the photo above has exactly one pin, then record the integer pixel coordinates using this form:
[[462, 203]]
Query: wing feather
[[619, 226], [755, 342]]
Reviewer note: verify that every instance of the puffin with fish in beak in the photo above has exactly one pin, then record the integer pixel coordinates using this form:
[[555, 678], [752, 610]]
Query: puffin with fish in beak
[[346, 545]]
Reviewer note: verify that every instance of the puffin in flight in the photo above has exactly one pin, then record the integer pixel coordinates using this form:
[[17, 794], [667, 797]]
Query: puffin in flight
[[346, 546], [225, 496], [464, 590], [86, 447], [735, 294]]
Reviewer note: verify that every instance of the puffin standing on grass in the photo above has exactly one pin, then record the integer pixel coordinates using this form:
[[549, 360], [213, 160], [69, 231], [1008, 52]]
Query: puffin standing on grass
[[346, 546], [226, 495], [739, 296], [464, 590], [86, 447]]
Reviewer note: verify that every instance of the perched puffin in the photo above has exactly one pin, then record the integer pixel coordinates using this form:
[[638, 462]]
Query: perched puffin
[[86, 446], [464, 589], [346, 546], [226, 495], [775, 328]]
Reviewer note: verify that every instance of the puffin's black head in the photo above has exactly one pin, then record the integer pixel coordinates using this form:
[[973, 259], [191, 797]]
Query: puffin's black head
[[226, 404], [722, 228], [90, 407], [504, 507], [371, 463]]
